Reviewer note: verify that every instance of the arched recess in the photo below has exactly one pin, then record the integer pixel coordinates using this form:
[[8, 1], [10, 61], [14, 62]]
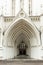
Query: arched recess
[[21, 29]]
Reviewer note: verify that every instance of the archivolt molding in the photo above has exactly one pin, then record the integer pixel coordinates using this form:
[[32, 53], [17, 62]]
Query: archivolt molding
[[18, 33], [27, 22], [19, 26]]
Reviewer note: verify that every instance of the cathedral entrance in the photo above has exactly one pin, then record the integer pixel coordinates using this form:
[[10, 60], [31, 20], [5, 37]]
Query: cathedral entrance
[[22, 47], [21, 39]]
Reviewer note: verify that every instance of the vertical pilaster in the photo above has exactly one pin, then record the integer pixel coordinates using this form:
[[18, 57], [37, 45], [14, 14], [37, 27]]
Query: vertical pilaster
[[30, 7], [21, 4], [1, 30], [41, 8], [13, 7]]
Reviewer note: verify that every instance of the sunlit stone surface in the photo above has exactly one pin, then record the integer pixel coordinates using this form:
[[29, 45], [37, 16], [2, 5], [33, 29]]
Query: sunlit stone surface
[[21, 32]]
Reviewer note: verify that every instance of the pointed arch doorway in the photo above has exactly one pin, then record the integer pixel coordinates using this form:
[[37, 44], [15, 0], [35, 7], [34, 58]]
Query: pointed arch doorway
[[20, 37]]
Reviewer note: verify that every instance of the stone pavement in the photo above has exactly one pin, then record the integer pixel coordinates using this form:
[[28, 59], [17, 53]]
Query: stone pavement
[[21, 62]]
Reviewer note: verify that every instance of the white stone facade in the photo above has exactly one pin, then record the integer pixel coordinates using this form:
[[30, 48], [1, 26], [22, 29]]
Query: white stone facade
[[19, 24]]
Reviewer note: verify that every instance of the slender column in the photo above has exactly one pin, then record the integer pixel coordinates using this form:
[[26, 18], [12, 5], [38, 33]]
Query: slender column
[[13, 7], [21, 4], [30, 7]]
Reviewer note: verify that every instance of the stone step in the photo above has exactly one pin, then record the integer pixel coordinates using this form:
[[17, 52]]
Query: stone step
[[22, 57]]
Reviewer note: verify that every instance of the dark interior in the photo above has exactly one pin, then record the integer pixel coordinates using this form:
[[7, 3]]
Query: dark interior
[[22, 47]]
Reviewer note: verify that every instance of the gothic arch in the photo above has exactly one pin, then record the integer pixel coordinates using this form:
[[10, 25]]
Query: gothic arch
[[23, 24], [21, 29]]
